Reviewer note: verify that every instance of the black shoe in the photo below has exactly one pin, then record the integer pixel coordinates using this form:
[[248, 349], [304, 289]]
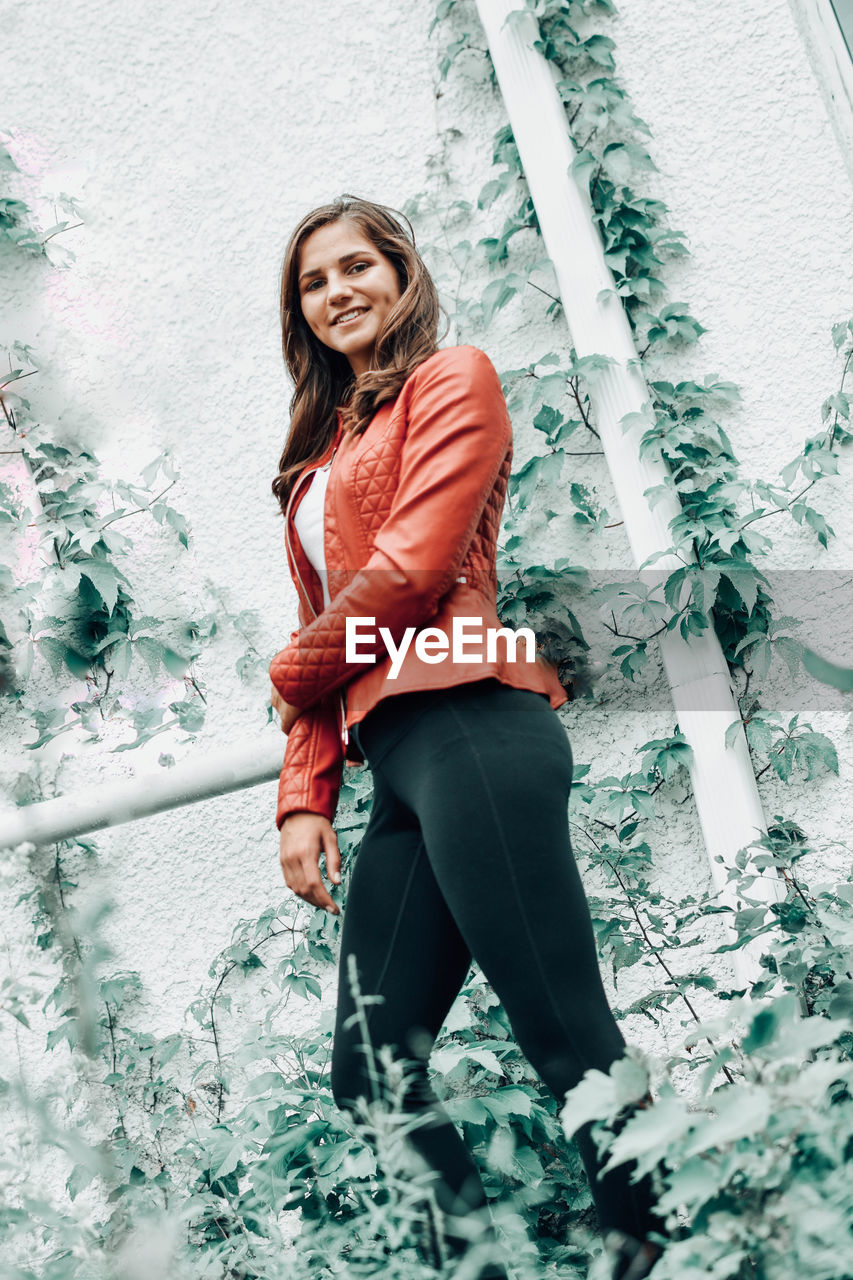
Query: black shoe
[[632, 1259]]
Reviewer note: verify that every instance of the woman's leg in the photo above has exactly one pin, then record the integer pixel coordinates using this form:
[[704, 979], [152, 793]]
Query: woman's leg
[[487, 770], [409, 952]]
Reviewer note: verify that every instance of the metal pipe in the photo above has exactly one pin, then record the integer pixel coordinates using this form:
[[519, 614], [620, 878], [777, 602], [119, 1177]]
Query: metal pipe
[[127, 799]]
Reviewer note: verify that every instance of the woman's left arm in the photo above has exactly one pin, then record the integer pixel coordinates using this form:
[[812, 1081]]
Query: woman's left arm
[[457, 439]]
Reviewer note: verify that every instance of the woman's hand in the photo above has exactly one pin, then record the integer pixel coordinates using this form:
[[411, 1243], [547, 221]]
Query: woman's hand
[[286, 710], [304, 836]]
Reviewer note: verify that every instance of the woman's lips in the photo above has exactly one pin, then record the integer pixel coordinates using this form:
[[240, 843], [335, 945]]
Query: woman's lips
[[337, 324]]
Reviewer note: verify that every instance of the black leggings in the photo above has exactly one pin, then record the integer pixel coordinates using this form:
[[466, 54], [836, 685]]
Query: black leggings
[[467, 854]]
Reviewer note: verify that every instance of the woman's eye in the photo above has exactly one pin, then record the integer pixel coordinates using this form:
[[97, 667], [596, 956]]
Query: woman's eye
[[359, 264]]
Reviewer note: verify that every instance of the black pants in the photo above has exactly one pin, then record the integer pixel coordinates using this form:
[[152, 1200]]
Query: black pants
[[467, 853]]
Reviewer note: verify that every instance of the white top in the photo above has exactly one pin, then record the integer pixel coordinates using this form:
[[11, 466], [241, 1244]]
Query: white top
[[310, 525]]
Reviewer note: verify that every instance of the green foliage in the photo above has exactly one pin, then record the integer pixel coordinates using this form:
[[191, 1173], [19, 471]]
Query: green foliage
[[203, 1142], [756, 1162]]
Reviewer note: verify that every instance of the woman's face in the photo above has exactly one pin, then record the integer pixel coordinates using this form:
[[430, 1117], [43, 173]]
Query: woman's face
[[340, 273]]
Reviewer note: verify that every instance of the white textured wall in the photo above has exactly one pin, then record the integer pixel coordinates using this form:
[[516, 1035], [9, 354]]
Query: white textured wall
[[196, 136]]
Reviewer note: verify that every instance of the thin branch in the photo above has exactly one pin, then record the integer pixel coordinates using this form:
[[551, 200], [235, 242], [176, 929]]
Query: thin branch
[[574, 384], [18, 378], [60, 231], [123, 514], [545, 291], [647, 939]]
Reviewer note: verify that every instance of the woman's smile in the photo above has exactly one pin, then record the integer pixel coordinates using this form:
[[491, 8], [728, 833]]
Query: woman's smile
[[349, 316]]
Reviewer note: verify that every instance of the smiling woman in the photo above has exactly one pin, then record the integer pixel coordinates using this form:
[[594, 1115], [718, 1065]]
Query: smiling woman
[[401, 452]]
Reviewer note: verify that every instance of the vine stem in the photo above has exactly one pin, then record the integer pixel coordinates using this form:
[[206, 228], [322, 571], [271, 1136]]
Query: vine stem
[[61, 231], [123, 515], [229, 968], [111, 1028], [671, 977], [574, 383], [19, 377]]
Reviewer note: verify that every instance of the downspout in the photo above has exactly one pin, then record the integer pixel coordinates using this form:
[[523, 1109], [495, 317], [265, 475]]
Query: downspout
[[723, 781]]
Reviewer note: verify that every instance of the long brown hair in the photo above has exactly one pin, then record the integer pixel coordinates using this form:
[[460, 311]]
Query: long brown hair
[[322, 378]]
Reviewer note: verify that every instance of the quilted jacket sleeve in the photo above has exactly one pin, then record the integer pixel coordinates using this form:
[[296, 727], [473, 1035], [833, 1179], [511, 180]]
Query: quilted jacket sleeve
[[310, 777], [457, 437]]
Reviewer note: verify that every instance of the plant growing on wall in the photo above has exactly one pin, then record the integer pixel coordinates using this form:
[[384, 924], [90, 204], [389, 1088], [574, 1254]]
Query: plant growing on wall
[[208, 1137]]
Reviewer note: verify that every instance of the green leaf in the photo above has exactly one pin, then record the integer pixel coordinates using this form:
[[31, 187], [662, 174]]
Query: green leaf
[[741, 1112], [498, 293], [105, 578], [600, 1095], [78, 1179], [648, 1133], [168, 515], [175, 663], [827, 672]]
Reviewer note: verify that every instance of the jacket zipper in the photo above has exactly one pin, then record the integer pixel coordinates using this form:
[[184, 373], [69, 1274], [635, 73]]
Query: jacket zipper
[[344, 734]]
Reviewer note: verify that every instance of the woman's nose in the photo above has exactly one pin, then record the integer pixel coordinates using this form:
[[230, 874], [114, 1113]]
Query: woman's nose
[[339, 287]]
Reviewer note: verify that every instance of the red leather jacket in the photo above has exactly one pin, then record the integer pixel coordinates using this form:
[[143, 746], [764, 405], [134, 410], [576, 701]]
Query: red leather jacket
[[412, 511]]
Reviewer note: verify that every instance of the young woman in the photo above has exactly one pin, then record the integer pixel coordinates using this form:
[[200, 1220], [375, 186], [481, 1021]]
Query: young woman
[[392, 482]]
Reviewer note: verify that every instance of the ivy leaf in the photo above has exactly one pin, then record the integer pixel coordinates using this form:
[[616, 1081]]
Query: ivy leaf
[[507, 1102], [121, 657], [649, 1132], [816, 753], [164, 514], [667, 755], [175, 663], [760, 653], [790, 650], [582, 166], [527, 1166], [498, 293], [827, 672], [635, 660], [740, 1112], [78, 1179], [549, 420], [600, 1095], [745, 580], [837, 403], [228, 1157], [105, 578], [442, 9], [190, 714], [451, 52]]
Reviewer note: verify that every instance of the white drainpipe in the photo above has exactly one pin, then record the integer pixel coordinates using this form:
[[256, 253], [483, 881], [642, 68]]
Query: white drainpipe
[[723, 781]]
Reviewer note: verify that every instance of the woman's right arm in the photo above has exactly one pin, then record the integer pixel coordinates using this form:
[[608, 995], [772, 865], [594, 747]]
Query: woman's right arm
[[308, 789]]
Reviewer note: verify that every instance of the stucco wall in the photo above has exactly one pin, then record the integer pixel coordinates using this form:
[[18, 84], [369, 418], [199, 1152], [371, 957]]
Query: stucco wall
[[196, 136]]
